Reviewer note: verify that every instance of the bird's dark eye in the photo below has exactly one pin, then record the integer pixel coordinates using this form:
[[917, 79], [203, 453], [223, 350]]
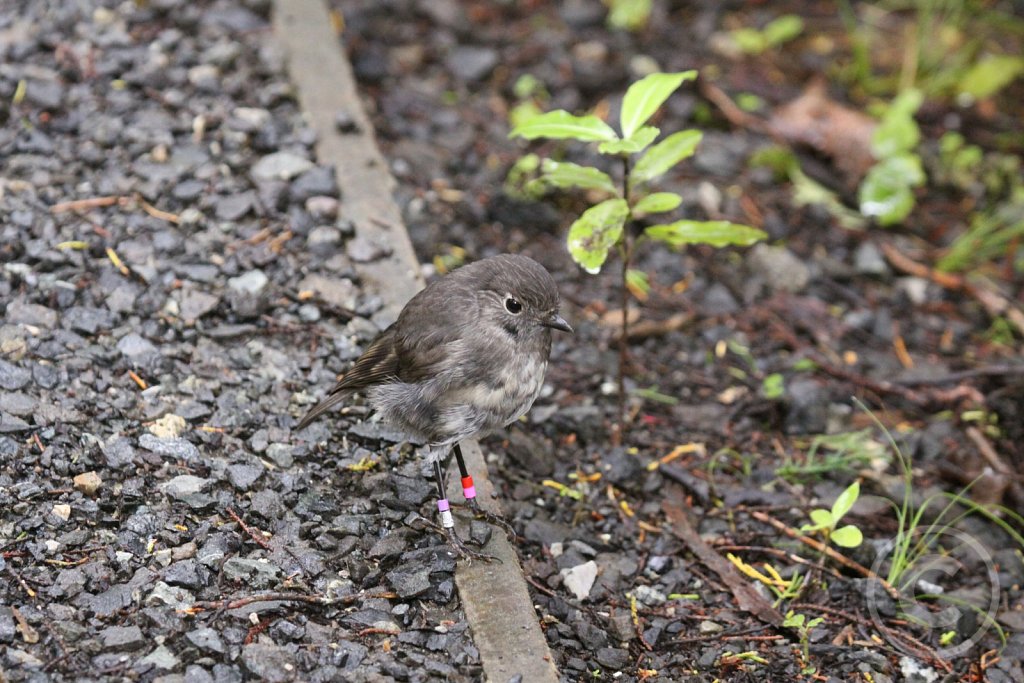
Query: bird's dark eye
[[512, 305]]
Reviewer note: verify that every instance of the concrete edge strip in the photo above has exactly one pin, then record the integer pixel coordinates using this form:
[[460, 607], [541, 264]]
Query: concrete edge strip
[[494, 596]]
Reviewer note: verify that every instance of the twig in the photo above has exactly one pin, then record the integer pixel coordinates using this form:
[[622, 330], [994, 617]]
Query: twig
[[255, 534], [822, 548], [320, 600], [377, 631], [961, 375], [83, 204], [994, 303]]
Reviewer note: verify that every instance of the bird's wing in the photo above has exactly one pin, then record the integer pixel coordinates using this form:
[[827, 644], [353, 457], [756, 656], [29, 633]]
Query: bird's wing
[[378, 363]]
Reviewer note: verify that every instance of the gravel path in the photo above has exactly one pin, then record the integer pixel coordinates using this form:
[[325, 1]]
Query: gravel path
[[178, 282]]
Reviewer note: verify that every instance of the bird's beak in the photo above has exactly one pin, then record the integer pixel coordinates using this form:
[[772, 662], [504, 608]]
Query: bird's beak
[[557, 322]]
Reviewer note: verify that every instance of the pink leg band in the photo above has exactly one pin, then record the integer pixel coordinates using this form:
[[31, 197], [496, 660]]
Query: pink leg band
[[468, 490], [446, 516]]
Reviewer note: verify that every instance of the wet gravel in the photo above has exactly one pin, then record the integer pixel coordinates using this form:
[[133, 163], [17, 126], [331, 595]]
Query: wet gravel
[[177, 287]]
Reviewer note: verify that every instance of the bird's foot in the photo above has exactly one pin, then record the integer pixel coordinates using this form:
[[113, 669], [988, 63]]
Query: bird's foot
[[489, 517], [464, 551]]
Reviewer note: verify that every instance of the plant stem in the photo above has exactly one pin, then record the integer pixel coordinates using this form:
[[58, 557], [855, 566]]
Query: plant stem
[[627, 257]]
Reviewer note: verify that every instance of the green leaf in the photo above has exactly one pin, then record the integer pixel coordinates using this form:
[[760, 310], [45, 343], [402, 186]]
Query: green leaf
[[631, 15], [645, 96], [658, 202], [664, 155], [822, 519], [990, 75], [773, 386], [561, 125], [596, 232], [782, 30], [631, 145], [898, 132], [715, 233], [566, 174], [793, 620], [847, 537], [845, 501], [749, 40], [886, 192], [523, 112]]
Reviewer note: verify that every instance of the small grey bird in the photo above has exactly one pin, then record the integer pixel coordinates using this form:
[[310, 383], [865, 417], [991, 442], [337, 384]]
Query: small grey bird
[[466, 357]]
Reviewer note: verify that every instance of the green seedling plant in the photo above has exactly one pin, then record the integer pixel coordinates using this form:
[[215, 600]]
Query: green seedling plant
[[629, 15], [803, 626], [887, 191], [613, 224], [776, 32], [826, 522], [841, 453]]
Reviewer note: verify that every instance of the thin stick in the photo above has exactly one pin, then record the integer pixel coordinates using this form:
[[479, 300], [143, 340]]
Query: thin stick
[[255, 534]]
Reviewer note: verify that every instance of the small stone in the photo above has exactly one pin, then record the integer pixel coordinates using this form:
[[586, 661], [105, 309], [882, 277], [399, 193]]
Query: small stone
[[194, 304], [706, 627], [120, 638], [868, 260], [184, 486], [233, 207], [62, 511], [88, 483], [280, 166], [322, 207], [251, 282], [308, 313], [173, 448], [161, 658], [268, 662], [317, 181], [134, 345], [914, 288], [172, 596], [19, 312], [281, 454], [323, 239], [255, 573], [169, 426], [338, 292], [243, 475], [780, 268], [580, 579], [362, 250], [613, 658], [206, 639], [471, 63], [649, 596], [13, 377]]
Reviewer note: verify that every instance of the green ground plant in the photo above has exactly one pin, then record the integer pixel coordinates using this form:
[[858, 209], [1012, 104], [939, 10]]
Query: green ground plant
[[622, 220], [826, 522]]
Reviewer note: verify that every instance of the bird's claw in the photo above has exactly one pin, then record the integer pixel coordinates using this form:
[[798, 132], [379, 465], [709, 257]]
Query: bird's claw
[[464, 551]]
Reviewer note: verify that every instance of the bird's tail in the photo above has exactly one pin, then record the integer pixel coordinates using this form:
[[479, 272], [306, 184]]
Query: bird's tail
[[321, 408]]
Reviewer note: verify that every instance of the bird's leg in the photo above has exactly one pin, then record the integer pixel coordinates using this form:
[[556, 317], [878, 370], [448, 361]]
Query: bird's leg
[[469, 493], [448, 523]]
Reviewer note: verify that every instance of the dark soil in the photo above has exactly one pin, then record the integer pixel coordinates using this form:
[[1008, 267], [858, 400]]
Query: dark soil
[[822, 306]]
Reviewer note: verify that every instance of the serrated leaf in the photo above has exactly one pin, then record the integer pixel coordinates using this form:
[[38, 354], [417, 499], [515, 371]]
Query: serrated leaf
[[645, 96], [848, 536], [561, 125], [658, 202], [990, 75], [845, 501], [638, 142], [596, 232], [715, 233], [566, 174], [664, 155]]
